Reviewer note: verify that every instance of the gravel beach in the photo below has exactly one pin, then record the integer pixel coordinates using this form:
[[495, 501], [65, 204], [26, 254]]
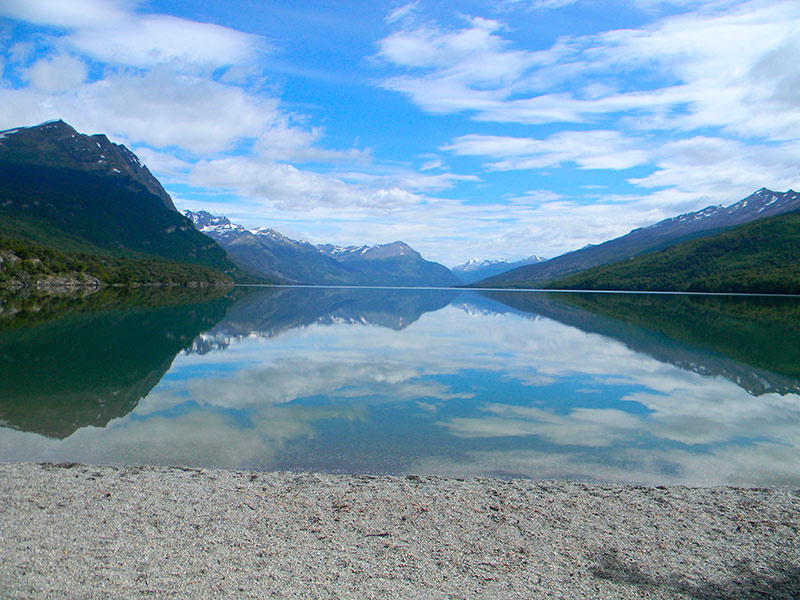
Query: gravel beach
[[78, 531]]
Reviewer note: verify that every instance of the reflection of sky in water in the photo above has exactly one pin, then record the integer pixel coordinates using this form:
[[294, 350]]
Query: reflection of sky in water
[[457, 393]]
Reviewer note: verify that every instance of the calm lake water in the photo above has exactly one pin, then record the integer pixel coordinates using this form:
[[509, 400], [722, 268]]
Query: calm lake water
[[656, 389]]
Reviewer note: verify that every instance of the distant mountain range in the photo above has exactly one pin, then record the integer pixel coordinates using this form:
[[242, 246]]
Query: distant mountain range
[[270, 254], [474, 270], [79, 208], [396, 263], [713, 219]]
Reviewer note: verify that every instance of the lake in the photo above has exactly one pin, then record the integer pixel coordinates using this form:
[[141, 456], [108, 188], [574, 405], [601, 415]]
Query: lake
[[646, 388]]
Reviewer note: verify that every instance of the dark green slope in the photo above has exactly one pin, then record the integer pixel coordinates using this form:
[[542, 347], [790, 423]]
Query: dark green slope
[[77, 212], [114, 211], [762, 257], [57, 144]]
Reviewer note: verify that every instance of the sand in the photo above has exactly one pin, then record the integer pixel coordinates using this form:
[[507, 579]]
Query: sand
[[78, 531]]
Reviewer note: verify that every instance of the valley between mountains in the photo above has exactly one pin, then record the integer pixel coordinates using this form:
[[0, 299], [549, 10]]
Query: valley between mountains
[[78, 210]]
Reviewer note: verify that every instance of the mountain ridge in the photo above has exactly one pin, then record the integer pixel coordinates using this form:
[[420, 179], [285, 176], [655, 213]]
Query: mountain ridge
[[760, 257], [475, 270], [58, 144], [761, 204], [270, 253]]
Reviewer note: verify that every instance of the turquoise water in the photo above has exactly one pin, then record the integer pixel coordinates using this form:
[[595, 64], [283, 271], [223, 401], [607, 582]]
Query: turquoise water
[[694, 390]]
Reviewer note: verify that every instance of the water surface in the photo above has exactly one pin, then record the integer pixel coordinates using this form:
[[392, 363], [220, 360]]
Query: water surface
[[657, 389]]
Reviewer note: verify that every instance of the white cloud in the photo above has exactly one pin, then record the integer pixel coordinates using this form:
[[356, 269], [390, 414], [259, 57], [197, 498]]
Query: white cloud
[[21, 52], [721, 65], [721, 170], [72, 14], [432, 165], [167, 165], [147, 40], [289, 188], [467, 67], [581, 427], [587, 149], [286, 142], [160, 109], [110, 31], [407, 179], [402, 12], [542, 4], [57, 73]]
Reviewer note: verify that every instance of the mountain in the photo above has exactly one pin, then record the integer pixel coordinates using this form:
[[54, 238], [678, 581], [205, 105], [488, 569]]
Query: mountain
[[763, 203], [271, 254], [762, 257], [56, 144], [89, 207], [474, 270], [392, 264]]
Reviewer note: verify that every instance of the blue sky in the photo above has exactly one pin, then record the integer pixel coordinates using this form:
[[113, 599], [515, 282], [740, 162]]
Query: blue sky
[[494, 129]]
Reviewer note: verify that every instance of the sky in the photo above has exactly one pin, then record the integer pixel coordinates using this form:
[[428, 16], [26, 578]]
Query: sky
[[488, 129]]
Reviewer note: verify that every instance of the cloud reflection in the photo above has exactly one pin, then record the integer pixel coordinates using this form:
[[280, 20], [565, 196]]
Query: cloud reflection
[[493, 393]]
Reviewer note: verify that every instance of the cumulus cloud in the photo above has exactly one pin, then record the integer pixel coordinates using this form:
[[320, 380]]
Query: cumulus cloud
[[720, 170], [159, 108], [153, 39], [57, 73], [538, 4], [290, 188], [581, 427]]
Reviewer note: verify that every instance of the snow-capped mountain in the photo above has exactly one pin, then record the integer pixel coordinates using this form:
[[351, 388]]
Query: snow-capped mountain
[[474, 270], [377, 252], [396, 260], [343, 252], [221, 228], [761, 204], [269, 253]]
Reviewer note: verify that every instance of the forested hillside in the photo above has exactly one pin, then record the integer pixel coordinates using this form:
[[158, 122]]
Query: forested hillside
[[760, 257]]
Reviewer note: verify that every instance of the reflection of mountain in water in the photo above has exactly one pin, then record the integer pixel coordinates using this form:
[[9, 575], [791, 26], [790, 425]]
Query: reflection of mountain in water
[[66, 363], [271, 311], [752, 341]]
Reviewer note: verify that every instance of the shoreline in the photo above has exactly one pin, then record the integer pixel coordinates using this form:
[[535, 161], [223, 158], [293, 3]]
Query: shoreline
[[74, 530]]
